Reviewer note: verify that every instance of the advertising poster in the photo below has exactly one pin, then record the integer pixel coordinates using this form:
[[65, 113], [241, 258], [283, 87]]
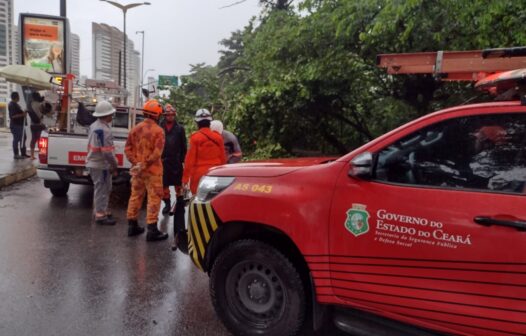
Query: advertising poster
[[43, 44]]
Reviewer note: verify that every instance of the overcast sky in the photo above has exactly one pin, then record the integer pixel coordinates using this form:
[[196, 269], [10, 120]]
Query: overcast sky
[[178, 32]]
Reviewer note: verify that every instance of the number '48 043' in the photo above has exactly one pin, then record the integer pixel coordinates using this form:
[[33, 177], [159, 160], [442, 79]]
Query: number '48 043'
[[258, 188]]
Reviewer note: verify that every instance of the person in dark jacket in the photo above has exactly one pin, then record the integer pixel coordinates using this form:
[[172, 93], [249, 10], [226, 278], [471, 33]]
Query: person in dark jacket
[[173, 157], [17, 118]]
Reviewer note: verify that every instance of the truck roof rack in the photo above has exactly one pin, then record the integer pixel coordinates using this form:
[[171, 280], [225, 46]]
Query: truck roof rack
[[471, 65]]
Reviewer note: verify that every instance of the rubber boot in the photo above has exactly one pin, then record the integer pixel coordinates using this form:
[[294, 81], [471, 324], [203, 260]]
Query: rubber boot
[[179, 226], [180, 242], [105, 221], [167, 206], [154, 234], [133, 228]]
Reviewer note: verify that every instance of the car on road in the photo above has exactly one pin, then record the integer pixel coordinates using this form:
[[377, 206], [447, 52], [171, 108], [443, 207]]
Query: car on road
[[420, 231]]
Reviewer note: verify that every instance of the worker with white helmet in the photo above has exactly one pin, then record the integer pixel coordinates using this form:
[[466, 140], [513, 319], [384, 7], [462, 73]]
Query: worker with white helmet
[[101, 161], [206, 150], [232, 148]]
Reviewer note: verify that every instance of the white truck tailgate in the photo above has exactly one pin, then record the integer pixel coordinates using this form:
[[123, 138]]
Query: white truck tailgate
[[71, 150]]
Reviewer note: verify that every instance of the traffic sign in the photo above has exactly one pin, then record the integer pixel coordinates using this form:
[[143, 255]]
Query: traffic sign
[[168, 80]]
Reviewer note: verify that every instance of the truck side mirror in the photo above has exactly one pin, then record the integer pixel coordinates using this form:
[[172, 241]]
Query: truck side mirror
[[362, 166]]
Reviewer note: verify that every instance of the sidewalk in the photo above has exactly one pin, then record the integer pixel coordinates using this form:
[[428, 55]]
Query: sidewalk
[[12, 170]]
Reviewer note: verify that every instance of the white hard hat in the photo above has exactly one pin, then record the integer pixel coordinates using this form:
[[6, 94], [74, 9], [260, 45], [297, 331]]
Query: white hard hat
[[203, 114], [103, 109], [216, 125]]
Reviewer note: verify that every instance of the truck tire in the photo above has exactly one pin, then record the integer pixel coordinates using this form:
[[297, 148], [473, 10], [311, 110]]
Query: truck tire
[[256, 290], [60, 191]]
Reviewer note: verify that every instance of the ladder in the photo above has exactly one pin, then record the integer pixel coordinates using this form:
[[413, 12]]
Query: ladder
[[471, 65]]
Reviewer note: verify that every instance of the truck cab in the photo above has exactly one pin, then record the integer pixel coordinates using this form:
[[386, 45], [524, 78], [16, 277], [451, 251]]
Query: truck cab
[[419, 232]]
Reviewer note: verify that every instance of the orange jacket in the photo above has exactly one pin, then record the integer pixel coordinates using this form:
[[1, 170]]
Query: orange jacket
[[206, 150], [145, 144]]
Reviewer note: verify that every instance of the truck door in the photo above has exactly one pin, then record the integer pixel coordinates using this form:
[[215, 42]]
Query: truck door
[[438, 233]]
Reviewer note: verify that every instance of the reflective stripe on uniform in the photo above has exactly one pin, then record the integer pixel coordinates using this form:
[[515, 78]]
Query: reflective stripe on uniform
[[103, 149]]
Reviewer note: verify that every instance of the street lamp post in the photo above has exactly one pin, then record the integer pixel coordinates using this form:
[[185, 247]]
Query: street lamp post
[[124, 9], [146, 91], [144, 74], [142, 59]]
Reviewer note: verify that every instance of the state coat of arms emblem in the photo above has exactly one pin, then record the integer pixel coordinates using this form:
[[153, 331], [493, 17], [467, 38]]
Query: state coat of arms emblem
[[357, 221]]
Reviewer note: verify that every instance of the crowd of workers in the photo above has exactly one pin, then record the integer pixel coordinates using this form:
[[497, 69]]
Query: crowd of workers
[[160, 159], [157, 151]]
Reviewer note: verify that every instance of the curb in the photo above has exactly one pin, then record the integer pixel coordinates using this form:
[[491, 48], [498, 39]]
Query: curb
[[17, 177]]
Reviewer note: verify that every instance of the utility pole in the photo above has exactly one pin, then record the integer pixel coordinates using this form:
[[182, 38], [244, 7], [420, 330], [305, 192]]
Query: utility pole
[[124, 9], [63, 8], [124, 57], [142, 62]]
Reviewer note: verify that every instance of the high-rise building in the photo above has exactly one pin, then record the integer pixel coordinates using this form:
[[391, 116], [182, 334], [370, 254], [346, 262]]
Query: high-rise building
[[108, 62], [75, 54], [6, 54], [16, 45], [135, 76]]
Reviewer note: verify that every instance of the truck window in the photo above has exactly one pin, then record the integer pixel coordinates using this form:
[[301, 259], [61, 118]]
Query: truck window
[[484, 152], [120, 119]]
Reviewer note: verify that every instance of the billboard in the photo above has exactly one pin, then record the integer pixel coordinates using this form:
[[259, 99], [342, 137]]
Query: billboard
[[44, 42]]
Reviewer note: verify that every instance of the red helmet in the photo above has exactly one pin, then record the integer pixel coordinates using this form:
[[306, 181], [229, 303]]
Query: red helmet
[[152, 108]]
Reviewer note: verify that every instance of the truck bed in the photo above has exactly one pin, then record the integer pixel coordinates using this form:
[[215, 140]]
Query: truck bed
[[70, 149]]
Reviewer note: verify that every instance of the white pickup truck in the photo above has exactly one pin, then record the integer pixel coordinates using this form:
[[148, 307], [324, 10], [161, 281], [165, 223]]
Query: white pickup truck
[[62, 155]]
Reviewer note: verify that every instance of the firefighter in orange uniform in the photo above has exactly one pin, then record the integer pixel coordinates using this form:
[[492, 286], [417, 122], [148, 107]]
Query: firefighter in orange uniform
[[206, 151], [144, 148]]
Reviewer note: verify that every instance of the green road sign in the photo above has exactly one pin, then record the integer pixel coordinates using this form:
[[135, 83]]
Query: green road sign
[[168, 80]]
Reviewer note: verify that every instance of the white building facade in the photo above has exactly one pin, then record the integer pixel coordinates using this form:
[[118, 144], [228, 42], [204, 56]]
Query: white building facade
[[75, 55]]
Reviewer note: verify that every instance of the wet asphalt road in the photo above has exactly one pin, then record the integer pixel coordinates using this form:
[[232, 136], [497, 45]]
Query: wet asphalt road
[[60, 274], [63, 275]]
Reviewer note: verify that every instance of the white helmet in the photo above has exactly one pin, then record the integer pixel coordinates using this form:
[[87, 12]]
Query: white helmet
[[202, 114], [216, 125], [103, 109]]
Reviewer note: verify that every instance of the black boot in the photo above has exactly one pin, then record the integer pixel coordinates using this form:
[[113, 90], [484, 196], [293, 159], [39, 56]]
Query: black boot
[[180, 242], [23, 152], [105, 221], [154, 234], [167, 206], [133, 228]]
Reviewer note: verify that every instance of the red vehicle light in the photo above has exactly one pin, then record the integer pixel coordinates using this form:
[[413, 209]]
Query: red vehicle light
[[42, 150]]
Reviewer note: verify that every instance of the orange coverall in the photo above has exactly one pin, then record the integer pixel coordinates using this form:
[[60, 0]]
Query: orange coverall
[[145, 145], [206, 150]]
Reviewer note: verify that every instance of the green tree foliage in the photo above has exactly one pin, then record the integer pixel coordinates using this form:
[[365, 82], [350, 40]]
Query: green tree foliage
[[199, 89], [303, 80]]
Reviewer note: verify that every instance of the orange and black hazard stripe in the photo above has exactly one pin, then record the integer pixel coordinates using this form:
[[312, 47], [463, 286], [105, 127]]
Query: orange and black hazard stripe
[[203, 222]]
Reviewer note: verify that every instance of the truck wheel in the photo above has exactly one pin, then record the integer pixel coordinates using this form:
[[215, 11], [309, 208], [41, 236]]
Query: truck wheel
[[256, 290], [60, 191]]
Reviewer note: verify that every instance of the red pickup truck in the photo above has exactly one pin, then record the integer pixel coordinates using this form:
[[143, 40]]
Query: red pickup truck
[[422, 230]]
